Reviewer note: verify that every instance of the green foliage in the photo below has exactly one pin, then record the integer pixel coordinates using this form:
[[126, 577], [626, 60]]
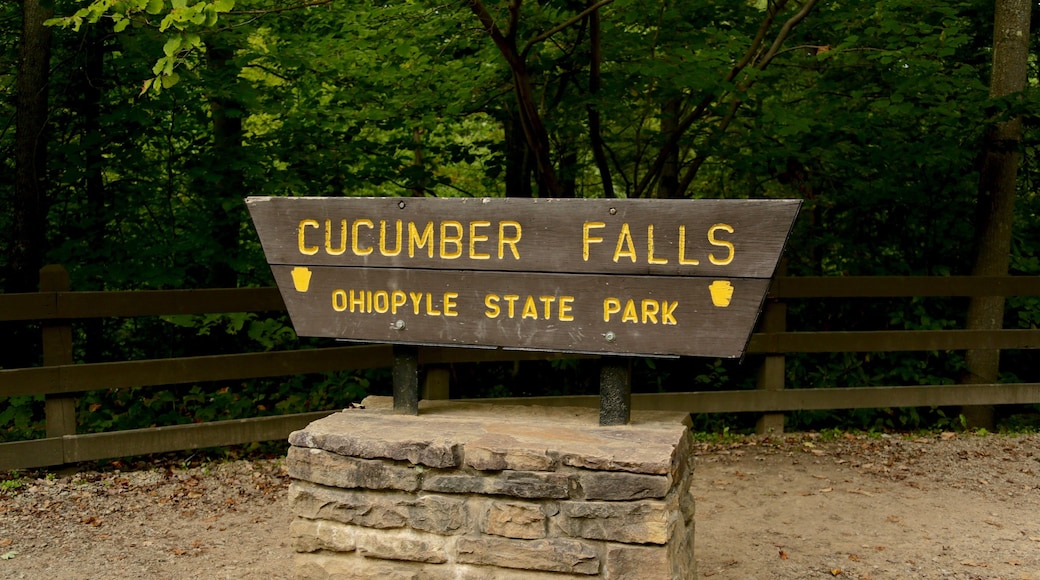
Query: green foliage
[[164, 114]]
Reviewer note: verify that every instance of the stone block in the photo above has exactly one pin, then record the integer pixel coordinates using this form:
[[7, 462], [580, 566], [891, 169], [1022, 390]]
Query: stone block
[[495, 452], [523, 484], [522, 521], [548, 555], [642, 522], [599, 485], [636, 563], [382, 510], [675, 561], [326, 566], [334, 470], [368, 438], [467, 572], [402, 544], [313, 535]]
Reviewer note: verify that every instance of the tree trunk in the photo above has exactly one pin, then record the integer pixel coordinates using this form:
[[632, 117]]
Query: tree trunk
[[30, 203], [224, 198], [668, 182], [517, 158], [996, 193], [25, 249]]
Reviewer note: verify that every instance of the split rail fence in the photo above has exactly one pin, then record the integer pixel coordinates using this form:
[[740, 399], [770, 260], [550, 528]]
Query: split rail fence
[[60, 379]]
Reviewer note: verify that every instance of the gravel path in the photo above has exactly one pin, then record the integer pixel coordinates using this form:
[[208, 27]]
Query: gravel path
[[950, 506]]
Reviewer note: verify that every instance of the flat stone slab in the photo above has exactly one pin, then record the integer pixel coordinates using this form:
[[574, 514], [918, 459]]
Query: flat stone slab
[[450, 434]]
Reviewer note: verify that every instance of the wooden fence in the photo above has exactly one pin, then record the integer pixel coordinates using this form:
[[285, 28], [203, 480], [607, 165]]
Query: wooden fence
[[59, 379]]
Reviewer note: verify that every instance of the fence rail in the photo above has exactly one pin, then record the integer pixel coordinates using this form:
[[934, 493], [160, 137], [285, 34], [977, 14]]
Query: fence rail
[[56, 306]]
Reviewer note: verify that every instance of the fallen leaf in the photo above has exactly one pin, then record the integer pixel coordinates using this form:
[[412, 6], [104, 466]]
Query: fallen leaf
[[5, 542], [836, 572], [783, 555], [827, 490], [854, 557], [861, 492], [8, 555], [947, 435]]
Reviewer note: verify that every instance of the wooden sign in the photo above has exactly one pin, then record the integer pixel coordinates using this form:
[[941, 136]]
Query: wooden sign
[[651, 277]]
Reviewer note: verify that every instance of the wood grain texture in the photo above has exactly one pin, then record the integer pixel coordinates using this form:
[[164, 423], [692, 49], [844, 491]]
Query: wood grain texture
[[551, 234], [566, 275], [693, 325]]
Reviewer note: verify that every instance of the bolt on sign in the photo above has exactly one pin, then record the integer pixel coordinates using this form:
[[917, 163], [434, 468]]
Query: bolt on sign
[[607, 276]]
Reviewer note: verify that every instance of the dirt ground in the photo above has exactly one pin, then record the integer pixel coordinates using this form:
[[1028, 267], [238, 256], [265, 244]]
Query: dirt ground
[[801, 506]]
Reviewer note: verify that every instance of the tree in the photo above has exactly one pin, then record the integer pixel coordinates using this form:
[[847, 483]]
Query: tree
[[997, 188], [30, 200]]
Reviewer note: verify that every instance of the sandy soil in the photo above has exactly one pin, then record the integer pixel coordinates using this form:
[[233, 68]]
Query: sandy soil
[[943, 506]]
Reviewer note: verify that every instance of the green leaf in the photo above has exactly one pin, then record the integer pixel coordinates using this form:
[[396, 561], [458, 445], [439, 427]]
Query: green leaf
[[172, 45], [154, 6], [223, 5], [168, 80], [8, 555]]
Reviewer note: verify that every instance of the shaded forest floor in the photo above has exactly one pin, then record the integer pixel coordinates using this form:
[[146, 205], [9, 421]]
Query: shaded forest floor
[[944, 506]]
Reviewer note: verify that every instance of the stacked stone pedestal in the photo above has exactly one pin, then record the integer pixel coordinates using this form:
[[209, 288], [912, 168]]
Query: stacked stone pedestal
[[486, 492]]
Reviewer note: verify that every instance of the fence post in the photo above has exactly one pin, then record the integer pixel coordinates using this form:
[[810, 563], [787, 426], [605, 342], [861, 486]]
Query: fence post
[[437, 384], [406, 379], [615, 391], [771, 373], [59, 409]]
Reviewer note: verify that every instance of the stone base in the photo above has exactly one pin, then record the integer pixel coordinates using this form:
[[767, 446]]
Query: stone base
[[485, 492]]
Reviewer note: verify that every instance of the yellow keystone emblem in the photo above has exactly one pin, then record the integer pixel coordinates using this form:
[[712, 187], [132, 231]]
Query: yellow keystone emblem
[[301, 278], [721, 293]]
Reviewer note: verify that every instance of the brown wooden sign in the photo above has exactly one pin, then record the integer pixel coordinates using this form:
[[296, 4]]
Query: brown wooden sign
[[652, 277]]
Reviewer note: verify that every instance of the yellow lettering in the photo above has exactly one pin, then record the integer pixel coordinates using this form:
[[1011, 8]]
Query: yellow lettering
[[416, 300], [417, 240], [339, 300], [449, 303], [629, 315], [511, 301], [304, 248], [384, 307], [566, 303], [504, 241], [721, 243], [368, 301], [586, 239], [668, 312], [547, 301], [342, 238], [357, 301], [397, 300], [611, 306], [682, 249], [491, 302], [625, 238], [456, 240], [530, 310], [355, 245], [650, 259], [650, 310], [429, 306], [382, 239], [474, 238]]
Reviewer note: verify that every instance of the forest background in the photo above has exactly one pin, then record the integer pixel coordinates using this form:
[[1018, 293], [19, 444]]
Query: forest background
[[132, 130]]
